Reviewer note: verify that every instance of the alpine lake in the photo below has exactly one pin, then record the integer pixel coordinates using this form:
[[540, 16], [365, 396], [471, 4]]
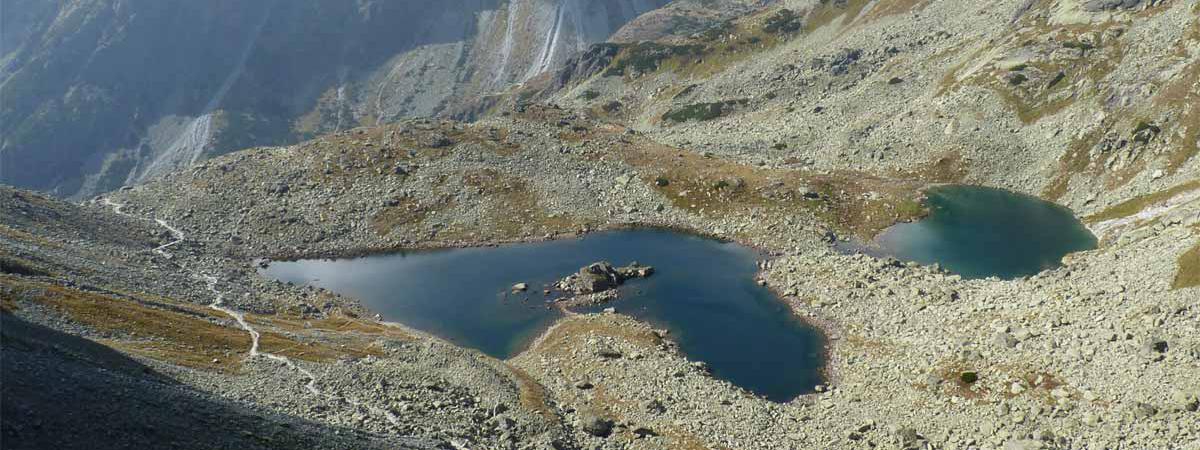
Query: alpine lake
[[702, 290]]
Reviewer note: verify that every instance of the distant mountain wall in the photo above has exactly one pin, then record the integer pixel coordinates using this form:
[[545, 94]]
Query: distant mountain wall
[[100, 93]]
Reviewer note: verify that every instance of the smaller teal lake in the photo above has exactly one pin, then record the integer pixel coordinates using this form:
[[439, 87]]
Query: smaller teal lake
[[979, 232], [702, 290]]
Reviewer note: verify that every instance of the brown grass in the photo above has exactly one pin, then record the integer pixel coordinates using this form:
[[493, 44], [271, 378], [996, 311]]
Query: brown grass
[[1141, 202], [406, 211], [1189, 269], [828, 12], [22, 236], [183, 336], [558, 338], [532, 394], [951, 373], [1183, 97], [743, 40], [1037, 98], [512, 208], [375, 151], [7, 303], [868, 346], [178, 333], [1073, 161], [887, 8], [718, 187], [340, 324]]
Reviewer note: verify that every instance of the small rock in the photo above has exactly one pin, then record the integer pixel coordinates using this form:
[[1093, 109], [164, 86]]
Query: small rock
[[607, 352], [595, 424], [1143, 410], [1005, 340], [1185, 401], [654, 407], [643, 432]]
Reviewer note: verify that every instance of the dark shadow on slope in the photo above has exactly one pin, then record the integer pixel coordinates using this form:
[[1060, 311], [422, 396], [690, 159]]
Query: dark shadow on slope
[[64, 392]]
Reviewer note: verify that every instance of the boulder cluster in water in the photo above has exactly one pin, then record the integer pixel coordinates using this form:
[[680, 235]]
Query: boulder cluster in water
[[600, 277]]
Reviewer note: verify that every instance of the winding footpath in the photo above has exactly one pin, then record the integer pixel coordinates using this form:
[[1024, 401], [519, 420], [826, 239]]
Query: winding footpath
[[219, 305]]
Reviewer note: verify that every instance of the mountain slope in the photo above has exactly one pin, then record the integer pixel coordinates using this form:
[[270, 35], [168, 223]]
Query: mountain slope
[[1089, 103], [99, 93]]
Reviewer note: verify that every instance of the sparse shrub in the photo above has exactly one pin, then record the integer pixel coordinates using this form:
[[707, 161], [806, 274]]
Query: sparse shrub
[[702, 111], [783, 21], [718, 31], [19, 267], [662, 182], [1078, 45], [1057, 79], [1145, 132], [1017, 79], [589, 95], [647, 56], [968, 377]]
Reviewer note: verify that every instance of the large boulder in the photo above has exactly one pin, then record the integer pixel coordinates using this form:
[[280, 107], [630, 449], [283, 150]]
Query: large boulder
[[601, 276]]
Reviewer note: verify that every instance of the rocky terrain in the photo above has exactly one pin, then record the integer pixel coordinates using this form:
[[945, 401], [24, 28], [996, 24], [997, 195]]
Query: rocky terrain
[[793, 125], [101, 93]]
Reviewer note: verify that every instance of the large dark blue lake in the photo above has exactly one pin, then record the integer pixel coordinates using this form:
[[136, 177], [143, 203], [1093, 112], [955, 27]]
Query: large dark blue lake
[[702, 290], [978, 232]]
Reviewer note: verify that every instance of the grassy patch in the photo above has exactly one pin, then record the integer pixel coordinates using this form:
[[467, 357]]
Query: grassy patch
[[17, 266], [1182, 97], [185, 335], [1043, 88], [1189, 269], [177, 333], [645, 57], [1075, 160], [400, 212], [783, 21], [1139, 203], [532, 395], [886, 8], [713, 50], [854, 203], [1145, 132], [557, 341], [512, 208], [959, 380], [703, 111], [828, 11], [19, 235]]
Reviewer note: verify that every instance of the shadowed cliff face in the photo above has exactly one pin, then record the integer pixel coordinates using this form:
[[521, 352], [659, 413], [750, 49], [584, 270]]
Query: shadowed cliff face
[[100, 93]]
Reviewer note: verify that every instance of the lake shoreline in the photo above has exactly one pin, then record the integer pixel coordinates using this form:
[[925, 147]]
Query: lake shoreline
[[798, 343]]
